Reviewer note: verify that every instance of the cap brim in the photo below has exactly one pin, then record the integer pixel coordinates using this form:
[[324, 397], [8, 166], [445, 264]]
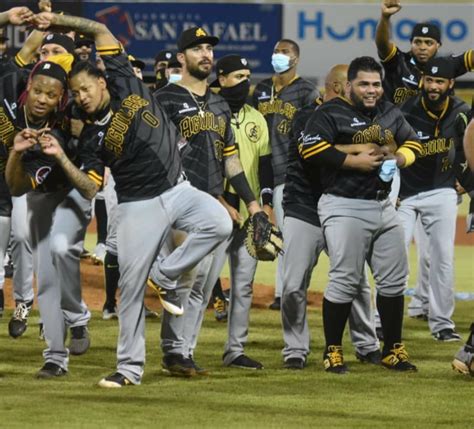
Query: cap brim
[[138, 63], [212, 40]]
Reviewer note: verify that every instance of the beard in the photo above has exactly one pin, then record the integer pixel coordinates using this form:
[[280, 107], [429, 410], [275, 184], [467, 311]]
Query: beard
[[197, 73], [359, 104], [435, 104]]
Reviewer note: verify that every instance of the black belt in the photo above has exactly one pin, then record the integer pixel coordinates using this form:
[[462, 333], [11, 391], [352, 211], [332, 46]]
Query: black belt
[[381, 195]]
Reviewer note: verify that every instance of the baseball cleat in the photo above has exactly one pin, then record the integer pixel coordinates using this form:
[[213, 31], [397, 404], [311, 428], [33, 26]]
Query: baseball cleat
[[447, 335], [397, 359], [19, 321], [275, 305], [109, 312], [197, 368], [114, 381], [50, 370], [374, 357], [98, 254], [294, 363], [80, 340], [150, 314], [169, 299], [244, 362], [176, 365], [464, 361], [333, 360]]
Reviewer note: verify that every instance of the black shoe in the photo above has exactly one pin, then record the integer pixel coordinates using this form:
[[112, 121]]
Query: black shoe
[[275, 305], [333, 360], [19, 321], [114, 381], [245, 362], [109, 312], [8, 269], [169, 299], [51, 370], [379, 333], [197, 368], [80, 340], [294, 363], [397, 359], [176, 365], [447, 335], [374, 357]]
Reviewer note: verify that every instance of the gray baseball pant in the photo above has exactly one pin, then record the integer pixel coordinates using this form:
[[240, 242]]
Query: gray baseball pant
[[357, 231], [438, 211], [419, 303], [142, 229], [279, 219], [5, 225], [22, 257], [58, 222], [303, 245]]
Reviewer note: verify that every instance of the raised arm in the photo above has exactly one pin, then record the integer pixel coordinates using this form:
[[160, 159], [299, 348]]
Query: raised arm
[[382, 35], [101, 34], [15, 16]]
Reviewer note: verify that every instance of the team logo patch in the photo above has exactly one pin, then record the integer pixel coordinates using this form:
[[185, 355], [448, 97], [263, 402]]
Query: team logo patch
[[357, 123], [434, 70], [424, 30], [41, 174], [252, 130], [200, 33], [168, 55], [46, 66], [244, 61], [49, 36]]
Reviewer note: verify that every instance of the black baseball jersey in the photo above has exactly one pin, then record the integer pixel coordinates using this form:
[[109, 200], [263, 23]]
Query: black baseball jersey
[[302, 188], [339, 122], [279, 108], [13, 80], [207, 137], [441, 140], [403, 74], [133, 136]]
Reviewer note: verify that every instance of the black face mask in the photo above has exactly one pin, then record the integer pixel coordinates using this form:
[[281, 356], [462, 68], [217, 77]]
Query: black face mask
[[236, 96]]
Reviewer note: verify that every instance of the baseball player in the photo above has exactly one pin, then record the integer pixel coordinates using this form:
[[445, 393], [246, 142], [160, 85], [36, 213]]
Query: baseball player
[[403, 70], [304, 242], [140, 145], [162, 60], [428, 187], [277, 99], [358, 220], [208, 151]]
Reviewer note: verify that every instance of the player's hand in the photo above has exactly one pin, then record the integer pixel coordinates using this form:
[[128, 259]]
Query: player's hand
[[390, 7], [50, 145], [459, 189], [234, 214], [45, 6], [19, 15], [76, 127], [368, 161], [42, 21], [24, 140], [270, 213]]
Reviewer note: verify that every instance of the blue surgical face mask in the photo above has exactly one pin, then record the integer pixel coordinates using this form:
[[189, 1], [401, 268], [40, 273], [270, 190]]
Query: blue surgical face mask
[[280, 63], [174, 78], [387, 170]]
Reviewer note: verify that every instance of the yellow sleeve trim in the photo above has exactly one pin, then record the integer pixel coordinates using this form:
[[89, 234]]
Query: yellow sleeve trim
[[33, 183], [109, 48], [95, 177], [413, 145], [408, 154], [391, 54], [468, 62], [233, 152], [20, 61], [315, 151], [305, 151]]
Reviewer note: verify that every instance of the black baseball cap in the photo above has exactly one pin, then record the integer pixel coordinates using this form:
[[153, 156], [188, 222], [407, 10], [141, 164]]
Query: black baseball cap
[[174, 63], [195, 36], [229, 64], [164, 55], [440, 67], [51, 69], [426, 29], [81, 40], [59, 39], [136, 63]]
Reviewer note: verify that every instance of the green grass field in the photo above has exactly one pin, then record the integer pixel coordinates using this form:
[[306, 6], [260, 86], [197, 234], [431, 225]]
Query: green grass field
[[368, 397]]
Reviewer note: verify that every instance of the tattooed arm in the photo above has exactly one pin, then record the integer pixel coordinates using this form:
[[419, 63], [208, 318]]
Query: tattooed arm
[[102, 36], [80, 180]]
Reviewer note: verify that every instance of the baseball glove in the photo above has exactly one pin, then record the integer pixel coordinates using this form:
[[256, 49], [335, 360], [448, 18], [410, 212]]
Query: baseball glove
[[264, 241]]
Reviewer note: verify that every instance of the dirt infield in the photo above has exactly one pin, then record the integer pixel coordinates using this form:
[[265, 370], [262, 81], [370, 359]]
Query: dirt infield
[[93, 291]]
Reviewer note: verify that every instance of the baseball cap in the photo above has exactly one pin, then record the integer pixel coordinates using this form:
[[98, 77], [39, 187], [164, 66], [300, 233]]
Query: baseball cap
[[164, 55], [59, 39], [229, 64], [195, 36], [426, 29], [440, 67], [173, 62], [81, 40], [136, 63]]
